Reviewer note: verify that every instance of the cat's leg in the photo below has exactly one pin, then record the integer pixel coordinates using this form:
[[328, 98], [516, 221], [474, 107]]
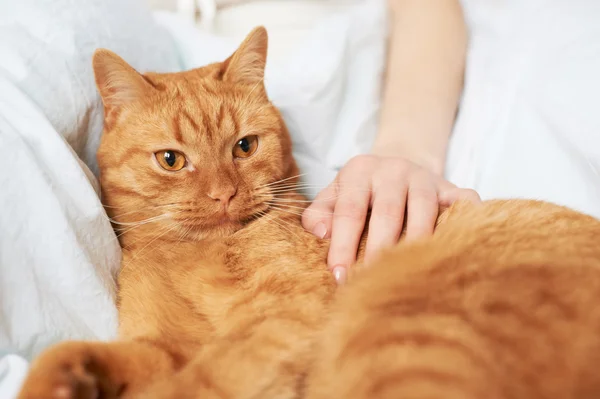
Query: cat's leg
[[267, 357], [263, 344], [96, 370]]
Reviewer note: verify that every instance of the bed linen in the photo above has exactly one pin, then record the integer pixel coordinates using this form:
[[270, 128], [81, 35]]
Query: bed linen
[[529, 120]]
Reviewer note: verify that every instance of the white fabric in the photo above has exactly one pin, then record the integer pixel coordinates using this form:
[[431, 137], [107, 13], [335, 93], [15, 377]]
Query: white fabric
[[13, 370], [529, 124], [54, 234], [46, 50]]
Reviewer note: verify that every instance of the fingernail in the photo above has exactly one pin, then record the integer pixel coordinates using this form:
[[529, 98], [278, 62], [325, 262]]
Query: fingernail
[[339, 272], [320, 230]]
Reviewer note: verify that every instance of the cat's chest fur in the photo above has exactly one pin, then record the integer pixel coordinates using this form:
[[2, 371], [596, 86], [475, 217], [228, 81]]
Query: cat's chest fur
[[198, 291]]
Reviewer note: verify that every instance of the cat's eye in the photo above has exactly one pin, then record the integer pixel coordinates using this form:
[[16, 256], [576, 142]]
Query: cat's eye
[[245, 147], [170, 160]]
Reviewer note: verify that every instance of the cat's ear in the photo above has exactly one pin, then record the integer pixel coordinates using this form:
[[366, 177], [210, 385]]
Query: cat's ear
[[247, 64], [117, 82]]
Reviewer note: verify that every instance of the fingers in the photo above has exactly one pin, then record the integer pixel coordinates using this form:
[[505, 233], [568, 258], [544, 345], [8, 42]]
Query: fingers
[[449, 196], [395, 189], [317, 218], [354, 197], [387, 216], [422, 208]]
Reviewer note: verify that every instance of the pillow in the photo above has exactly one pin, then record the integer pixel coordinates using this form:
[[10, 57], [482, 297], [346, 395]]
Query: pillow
[[46, 50]]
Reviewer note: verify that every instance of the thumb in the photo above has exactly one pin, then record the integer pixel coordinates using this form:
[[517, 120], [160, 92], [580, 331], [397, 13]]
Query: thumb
[[318, 217]]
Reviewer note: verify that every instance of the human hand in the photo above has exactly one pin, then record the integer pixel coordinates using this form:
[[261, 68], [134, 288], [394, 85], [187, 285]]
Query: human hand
[[389, 186]]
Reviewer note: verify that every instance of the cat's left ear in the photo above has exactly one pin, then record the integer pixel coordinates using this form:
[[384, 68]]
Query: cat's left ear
[[247, 64], [118, 83]]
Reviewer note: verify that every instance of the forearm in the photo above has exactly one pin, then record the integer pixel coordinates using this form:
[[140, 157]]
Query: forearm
[[424, 80]]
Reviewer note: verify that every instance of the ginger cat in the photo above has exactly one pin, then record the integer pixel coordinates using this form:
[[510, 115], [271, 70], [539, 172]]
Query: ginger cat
[[224, 295]]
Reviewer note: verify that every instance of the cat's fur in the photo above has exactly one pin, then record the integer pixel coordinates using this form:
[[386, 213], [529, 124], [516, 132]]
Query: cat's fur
[[500, 303]]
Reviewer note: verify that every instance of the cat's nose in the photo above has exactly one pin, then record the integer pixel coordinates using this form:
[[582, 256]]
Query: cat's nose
[[223, 195]]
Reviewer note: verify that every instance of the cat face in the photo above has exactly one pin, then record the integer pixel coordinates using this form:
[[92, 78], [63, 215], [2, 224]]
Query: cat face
[[197, 148]]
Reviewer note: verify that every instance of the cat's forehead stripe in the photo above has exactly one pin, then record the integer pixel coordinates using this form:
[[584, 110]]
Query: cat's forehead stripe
[[190, 120], [220, 114], [177, 128]]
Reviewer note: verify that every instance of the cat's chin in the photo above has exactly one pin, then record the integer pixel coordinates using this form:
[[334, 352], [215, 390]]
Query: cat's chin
[[213, 232], [224, 220], [219, 225]]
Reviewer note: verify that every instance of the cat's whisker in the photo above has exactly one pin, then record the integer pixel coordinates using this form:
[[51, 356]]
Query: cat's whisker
[[287, 179], [298, 186], [292, 189], [329, 198], [149, 220], [275, 194], [291, 200], [271, 218], [140, 222], [189, 229], [282, 180], [338, 188], [286, 200], [281, 223], [254, 222], [137, 254], [260, 214], [129, 206], [184, 232], [292, 212], [122, 231], [292, 185], [255, 218], [302, 183], [285, 206], [144, 209]]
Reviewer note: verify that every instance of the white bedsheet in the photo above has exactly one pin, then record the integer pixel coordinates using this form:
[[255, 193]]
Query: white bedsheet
[[529, 124], [58, 255]]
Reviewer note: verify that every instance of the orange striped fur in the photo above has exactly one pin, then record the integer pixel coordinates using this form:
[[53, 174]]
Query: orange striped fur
[[234, 301]]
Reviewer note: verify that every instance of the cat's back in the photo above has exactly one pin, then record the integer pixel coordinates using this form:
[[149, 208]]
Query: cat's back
[[500, 303], [526, 227]]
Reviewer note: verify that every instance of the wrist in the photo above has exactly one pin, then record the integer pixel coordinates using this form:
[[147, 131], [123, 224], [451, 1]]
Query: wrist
[[415, 135], [433, 163]]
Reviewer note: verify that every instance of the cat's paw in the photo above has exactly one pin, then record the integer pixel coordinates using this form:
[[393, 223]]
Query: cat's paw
[[63, 372]]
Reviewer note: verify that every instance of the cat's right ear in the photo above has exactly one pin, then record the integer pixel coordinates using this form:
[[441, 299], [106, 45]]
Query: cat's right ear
[[247, 64], [117, 82]]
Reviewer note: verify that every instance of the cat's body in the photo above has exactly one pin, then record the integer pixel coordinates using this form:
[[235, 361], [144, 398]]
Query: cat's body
[[501, 303], [212, 290], [223, 294]]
